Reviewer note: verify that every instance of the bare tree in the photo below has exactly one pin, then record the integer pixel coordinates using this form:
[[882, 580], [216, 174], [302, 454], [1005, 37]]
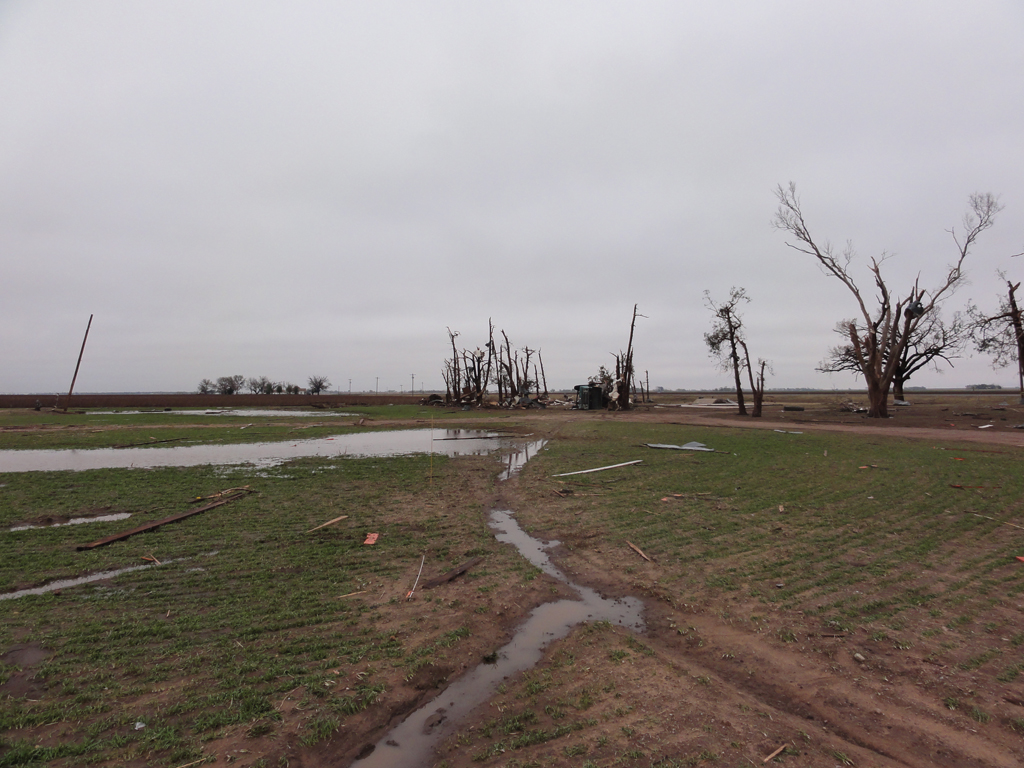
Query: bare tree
[[727, 339], [934, 340], [318, 384], [206, 387], [230, 385], [723, 341], [260, 386], [880, 340], [1002, 335]]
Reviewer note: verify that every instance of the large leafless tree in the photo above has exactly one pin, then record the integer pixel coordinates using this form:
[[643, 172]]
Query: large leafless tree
[[882, 332], [935, 340]]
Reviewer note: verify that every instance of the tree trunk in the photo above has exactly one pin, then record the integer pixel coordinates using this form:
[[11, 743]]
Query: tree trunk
[[1018, 331], [897, 389], [878, 397], [739, 387]]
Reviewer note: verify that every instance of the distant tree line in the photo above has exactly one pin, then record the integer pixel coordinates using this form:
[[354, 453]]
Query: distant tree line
[[261, 385]]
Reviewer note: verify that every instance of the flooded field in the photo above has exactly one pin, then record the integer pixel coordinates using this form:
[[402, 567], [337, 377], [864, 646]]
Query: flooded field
[[450, 442]]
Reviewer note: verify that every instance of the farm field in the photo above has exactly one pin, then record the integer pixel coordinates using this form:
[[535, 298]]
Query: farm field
[[827, 588]]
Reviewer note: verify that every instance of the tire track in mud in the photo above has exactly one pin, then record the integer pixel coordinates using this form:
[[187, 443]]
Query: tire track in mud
[[799, 692]]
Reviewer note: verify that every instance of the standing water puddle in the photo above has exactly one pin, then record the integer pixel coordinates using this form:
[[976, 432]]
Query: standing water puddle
[[448, 442], [76, 521], [411, 743]]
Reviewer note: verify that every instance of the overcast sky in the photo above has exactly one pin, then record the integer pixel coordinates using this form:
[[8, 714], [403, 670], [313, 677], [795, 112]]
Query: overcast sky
[[297, 188]]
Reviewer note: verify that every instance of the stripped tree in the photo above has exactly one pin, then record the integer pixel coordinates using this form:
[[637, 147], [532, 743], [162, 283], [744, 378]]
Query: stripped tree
[[880, 336], [725, 342], [620, 397], [934, 340]]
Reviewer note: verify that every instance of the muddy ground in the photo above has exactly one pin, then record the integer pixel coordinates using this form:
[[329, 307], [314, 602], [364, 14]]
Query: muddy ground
[[704, 685], [710, 688]]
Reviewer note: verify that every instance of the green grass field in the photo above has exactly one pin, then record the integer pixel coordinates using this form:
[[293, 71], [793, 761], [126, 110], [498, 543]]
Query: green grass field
[[245, 607]]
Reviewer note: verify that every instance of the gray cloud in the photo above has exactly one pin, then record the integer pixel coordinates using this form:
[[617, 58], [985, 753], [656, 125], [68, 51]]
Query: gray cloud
[[289, 189]]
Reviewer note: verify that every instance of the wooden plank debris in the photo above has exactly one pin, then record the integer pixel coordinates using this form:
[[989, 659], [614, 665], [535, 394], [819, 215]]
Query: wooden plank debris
[[371, 538], [599, 469], [775, 753], [639, 551], [158, 523], [453, 573], [350, 594], [329, 522]]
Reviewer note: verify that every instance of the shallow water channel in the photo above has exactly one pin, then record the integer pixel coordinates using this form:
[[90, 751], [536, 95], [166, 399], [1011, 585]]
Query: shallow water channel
[[411, 743], [448, 442]]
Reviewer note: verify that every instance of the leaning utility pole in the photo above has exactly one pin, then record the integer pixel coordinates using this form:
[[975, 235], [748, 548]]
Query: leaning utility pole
[[78, 365]]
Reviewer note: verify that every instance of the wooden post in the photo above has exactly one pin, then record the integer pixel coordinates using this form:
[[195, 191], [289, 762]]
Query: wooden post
[[78, 364]]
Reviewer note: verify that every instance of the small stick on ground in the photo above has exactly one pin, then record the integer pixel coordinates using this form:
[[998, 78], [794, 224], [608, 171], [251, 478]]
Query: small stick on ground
[[599, 469], [221, 493], [639, 551], [776, 752], [422, 561], [329, 522], [350, 594], [1012, 525]]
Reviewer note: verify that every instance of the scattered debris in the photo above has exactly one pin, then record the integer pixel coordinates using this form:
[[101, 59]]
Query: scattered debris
[[563, 492], [986, 426], [158, 523], [691, 446], [371, 538], [859, 658], [639, 551], [150, 558], [329, 522], [453, 573], [599, 469], [350, 594], [900, 402]]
